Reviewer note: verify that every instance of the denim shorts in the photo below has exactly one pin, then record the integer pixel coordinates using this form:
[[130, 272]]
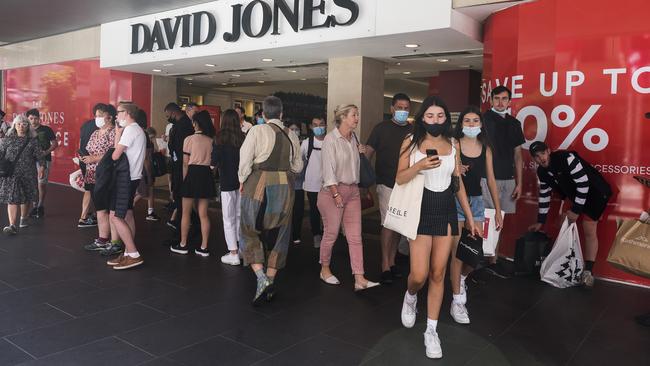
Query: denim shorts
[[476, 205]]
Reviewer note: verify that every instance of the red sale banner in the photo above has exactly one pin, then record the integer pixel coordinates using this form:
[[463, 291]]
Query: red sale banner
[[65, 94], [579, 83]]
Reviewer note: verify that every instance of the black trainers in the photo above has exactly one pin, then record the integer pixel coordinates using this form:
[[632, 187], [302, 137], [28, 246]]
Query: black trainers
[[172, 225], [270, 291], [394, 270], [152, 217], [34, 213], [88, 222], [202, 252], [178, 249], [497, 270], [97, 245], [386, 278], [112, 249], [41, 211]]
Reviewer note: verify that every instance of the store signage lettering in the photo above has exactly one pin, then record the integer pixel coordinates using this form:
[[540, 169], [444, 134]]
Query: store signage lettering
[[165, 32]]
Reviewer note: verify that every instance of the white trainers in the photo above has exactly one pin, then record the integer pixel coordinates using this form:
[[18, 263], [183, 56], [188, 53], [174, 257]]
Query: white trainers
[[24, 222], [409, 311], [432, 344], [459, 313], [232, 259]]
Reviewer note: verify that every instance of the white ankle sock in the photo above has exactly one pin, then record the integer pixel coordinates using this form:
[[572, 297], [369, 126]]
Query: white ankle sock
[[149, 211], [458, 299], [133, 255], [432, 325], [411, 298], [462, 278]]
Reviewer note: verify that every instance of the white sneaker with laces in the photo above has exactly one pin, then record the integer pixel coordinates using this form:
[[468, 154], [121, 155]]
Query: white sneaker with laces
[[459, 313], [463, 292], [232, 259], [432, 344], [409, 311], [24, 222]]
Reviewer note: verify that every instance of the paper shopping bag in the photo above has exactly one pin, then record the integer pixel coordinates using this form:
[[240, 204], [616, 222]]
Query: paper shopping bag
[[631, 249], [490, 233]]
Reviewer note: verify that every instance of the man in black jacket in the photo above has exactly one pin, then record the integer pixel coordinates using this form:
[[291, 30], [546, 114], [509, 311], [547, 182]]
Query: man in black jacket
[[182, 128], [572, 177]]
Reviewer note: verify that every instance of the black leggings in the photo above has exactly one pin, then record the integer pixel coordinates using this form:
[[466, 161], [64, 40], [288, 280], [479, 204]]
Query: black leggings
[[314, 214], [298, 214]]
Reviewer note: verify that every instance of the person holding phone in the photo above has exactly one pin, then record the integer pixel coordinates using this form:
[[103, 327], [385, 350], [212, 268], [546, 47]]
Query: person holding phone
[[476, 163], [433, 150]]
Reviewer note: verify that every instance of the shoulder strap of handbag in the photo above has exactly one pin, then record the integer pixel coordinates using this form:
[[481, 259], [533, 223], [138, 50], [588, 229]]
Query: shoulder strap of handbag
[[285, 135], [21, 150]]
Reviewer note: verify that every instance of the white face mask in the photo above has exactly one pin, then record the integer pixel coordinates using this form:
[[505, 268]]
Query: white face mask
[[122, 122], [99, 122], [502, 114]]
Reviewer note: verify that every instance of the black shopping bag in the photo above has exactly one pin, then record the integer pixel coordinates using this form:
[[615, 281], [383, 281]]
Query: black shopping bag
[[470, 248]]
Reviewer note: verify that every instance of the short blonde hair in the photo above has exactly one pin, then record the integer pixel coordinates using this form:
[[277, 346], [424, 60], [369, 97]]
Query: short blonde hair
[[341, 111], [21, 118]]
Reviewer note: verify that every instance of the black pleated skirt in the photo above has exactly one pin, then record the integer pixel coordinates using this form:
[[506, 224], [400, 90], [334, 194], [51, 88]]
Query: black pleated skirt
[[438, 212], [198, 183]]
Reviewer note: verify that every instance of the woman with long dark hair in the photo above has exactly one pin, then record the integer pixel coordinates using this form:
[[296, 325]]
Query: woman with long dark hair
[[229, 139], [476, 164], [433, 152], [197, 181]]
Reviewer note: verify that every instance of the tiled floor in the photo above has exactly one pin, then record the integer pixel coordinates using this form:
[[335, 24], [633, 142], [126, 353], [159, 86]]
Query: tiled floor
[[60, 305]]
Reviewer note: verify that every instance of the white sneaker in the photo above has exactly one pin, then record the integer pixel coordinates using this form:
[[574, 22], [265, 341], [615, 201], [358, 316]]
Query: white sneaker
[[24, 222], [317, 239], [232, 259], [432, 343], [459, 313], [409, 311], [463, 292]]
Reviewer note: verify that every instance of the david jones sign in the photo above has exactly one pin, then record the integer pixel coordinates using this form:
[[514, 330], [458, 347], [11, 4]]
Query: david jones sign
[[164, 34]]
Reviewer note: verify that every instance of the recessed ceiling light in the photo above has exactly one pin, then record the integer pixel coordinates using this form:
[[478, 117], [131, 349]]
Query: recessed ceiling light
[[210, 65], [235, 75], [190, 79], [465, 66], [398, 64], [411, 45], [293, 71], [267, 60], [224, 84], [190, 83], [303, 79], [442, 60], [261, 81], [156, 70], [406, 73]]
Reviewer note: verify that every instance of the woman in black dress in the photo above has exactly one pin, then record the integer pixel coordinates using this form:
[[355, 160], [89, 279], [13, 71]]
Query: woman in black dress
[[20, 188]]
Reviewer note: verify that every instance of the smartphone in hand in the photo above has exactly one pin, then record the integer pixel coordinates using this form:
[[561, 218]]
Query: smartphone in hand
[[431, 152]]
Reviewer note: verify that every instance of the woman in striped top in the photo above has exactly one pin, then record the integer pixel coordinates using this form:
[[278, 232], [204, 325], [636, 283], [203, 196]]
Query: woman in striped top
[[574, 178]]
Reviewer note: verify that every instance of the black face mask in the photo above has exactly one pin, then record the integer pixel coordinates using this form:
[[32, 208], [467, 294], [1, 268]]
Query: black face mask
[[435, 130]]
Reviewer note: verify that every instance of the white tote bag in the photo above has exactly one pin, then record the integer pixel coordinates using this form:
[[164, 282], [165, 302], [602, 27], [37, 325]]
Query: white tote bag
[[490, 233], [77, 180], [564, 265], [403, 215]]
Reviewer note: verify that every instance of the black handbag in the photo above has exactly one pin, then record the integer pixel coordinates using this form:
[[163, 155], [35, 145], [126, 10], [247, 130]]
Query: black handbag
[[367, 177], [530, 251], [470, 249], [7, 166]]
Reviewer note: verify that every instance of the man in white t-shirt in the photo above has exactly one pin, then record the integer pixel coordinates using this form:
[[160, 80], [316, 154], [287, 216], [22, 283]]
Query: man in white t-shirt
[[130, 140], [311, 155], [245, 126]]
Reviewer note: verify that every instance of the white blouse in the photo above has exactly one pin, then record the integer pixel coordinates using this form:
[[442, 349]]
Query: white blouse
[[438, 179]]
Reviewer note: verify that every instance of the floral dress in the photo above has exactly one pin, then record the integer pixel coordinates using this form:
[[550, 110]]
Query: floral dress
[[22, 186], [100, 142]]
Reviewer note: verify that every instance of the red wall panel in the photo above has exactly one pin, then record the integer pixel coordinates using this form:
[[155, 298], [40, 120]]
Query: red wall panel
[[65, 93], [588, 38]]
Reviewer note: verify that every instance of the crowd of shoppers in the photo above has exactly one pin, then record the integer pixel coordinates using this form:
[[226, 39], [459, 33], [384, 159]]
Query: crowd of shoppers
[[265, 171]]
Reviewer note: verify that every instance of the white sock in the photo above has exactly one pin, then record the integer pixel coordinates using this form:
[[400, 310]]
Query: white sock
[[133, 255], [432, 325], [149, 211], [458, 299], [462, 278], [411, 298]]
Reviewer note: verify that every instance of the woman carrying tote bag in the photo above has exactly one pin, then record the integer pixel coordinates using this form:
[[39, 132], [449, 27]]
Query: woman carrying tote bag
[[434, 157]]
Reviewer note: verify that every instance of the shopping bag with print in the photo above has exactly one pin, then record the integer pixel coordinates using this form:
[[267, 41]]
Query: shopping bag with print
[[77, 180], [403, 214], [490, 233], [631, 249], [564, 265]]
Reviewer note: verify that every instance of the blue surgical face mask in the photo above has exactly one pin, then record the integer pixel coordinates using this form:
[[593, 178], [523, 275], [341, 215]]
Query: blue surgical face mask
[[319, 131], [260, 121], [401, 117], [471, 132]]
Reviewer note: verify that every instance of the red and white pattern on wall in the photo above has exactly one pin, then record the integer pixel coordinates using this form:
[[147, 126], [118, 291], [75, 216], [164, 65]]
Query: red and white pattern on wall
[[580, 75], [65, 94]]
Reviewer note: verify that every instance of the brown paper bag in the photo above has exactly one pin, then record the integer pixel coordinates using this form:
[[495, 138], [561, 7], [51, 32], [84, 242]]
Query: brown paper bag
[[631, 249]]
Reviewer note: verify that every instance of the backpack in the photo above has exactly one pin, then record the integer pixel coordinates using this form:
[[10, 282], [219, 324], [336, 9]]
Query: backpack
[[310, 148], [530, 251]]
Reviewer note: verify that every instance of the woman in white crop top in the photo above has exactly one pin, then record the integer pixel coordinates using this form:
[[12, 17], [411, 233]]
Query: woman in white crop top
[[436, 158]]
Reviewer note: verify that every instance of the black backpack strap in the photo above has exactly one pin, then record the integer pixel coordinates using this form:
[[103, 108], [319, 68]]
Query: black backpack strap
[[310, 147], [21, 150]]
